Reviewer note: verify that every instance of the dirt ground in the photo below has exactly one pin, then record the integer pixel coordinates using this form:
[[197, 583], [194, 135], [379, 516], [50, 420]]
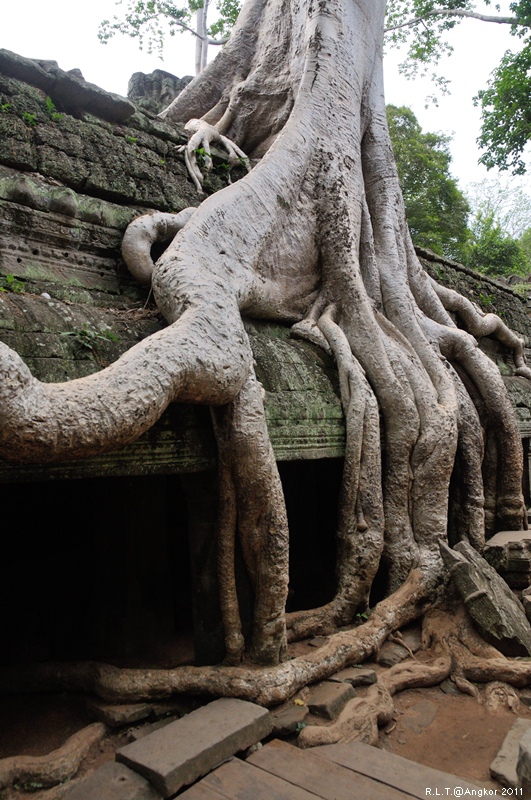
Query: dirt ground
[[452, 733]]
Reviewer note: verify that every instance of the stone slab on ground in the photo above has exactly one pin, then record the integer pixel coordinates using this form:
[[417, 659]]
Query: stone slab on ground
[[391, 654], [489, 601], [289, 720], [523, 767], [149, 727], [412, 638], [188, 748], [503, 768], [449, 687], [113, 781], [329, 698], [318, 641], [355, 676], [117, 715]]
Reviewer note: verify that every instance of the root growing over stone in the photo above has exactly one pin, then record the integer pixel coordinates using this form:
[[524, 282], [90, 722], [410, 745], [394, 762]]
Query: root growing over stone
[[315, 236]]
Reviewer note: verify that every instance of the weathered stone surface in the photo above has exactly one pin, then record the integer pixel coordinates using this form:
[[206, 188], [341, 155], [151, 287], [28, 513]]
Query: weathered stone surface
[[155, 91], [113, 781], [509, 552], [523, 766], [289, 720], [391, 654], [488, 599], [355, 676], [503, 768], [449, 687], [318, 641], [188, 748], [329, 698], [143, 730], [117, 715], [412, 637], [67, 90]]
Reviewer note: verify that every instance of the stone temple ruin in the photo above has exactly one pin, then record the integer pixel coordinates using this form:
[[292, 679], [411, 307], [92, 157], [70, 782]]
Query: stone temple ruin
[[112, 558], [97, 540]]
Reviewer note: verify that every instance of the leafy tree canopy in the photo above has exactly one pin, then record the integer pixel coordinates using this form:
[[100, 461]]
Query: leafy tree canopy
[[422, 25], [525, 243], [436, 209], [506, 106], [501, 218], [150, 21], [492, 251]]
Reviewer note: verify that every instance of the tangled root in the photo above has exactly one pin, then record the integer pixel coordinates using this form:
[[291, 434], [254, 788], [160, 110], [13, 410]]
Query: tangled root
[[30, 772]]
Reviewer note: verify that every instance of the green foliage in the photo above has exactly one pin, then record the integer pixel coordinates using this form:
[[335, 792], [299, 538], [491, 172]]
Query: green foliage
[[492, 251], [131, 139], [424, 39], [89, 338], [436, 208], [506, 108], [149, 21], [505, 200], [29, 118], [486, 301], [12, 284], [51, 111], [420, 26], [525, 242], [5, 107]]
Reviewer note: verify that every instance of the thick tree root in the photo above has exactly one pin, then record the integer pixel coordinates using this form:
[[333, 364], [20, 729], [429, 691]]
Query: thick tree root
[[362, 716], [53, 768], [267, 686]]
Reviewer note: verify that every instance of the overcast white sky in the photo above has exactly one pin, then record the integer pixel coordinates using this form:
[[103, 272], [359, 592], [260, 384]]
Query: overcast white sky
[[66, 31]]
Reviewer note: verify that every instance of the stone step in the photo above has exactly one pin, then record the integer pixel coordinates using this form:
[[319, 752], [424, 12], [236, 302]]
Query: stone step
[[356, 676], [503, 768], [328, 699], [188, 748], [113, 781]]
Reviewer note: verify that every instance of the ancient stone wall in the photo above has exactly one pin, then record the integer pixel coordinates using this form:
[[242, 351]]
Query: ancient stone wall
[[76, 165]]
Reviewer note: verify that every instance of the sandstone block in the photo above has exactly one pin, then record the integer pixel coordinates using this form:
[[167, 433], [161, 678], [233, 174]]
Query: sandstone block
[[117, 715], [329, 698], [523, 767], [391, 654], [355, 676], [503, 768], [113, 781], [289, 720], [190, 747], [488, 600]]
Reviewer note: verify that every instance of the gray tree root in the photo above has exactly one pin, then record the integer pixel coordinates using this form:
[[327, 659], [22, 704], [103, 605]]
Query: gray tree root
[[53, 768], [363, 716]]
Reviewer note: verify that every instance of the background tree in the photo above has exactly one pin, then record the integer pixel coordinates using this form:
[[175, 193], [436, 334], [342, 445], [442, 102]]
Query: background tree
[[493, 251], [501, 213], [150, 21], [525, 242], [436, 209], [423, 25]]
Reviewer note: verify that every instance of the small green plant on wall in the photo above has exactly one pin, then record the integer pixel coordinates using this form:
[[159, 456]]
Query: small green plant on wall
[[51, 110], [486, 301], [29, 118], [89, 338], [11, 284]]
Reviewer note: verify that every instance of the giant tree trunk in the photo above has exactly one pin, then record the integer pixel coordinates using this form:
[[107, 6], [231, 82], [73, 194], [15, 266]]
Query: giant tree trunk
[[315, 235]]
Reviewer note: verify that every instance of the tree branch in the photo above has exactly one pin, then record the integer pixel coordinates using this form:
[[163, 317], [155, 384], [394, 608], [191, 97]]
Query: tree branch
[[206, 39], [444, 12]]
